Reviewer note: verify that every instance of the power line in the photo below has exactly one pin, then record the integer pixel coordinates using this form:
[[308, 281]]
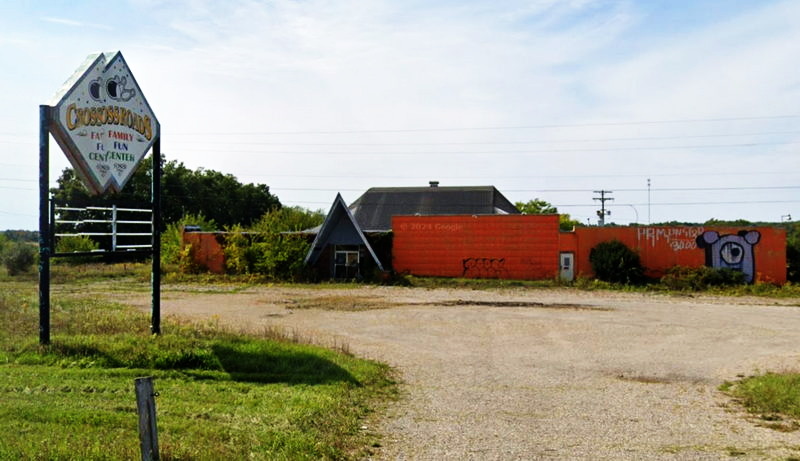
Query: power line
[[671, 189], [498, 128], [18, 214], [687, 203], [464, 143], [336, 189], [495, 177], [469, 143], [501, 152], [479, 128]]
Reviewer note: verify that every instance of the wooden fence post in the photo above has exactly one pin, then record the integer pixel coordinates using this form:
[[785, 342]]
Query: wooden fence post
[[146, 408]]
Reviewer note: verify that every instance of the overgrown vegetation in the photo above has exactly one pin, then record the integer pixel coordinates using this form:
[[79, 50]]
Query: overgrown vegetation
[[774, 397], [793, 252], [614, 262], [264, 249], [18, 257], [268, 249], [75, 244], [173, 252], [701, 278], [222, 394], [788, 290]]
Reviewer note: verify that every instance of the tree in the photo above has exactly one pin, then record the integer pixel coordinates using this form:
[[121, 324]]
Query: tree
[[288, 219], [537, 206], [217, 196]]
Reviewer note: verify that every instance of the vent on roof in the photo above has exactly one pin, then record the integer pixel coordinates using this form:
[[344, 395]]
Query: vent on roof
[[434, 183]]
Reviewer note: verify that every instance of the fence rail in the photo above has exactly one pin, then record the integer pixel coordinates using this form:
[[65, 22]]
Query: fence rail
[[113, 222]]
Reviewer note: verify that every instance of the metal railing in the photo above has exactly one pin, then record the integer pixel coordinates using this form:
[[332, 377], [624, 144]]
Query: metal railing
[[59, 211]]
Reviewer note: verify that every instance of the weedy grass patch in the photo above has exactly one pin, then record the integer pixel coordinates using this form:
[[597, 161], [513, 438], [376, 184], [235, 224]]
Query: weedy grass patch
[[340, 303], [767, 290], [222, 394], [773, 397]]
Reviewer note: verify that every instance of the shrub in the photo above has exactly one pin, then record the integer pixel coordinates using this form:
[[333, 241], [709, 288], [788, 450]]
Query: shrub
[[614, 262], [793, 260], [18, 257], [283, 257], [700, 278], [76, 243], [241, 257]]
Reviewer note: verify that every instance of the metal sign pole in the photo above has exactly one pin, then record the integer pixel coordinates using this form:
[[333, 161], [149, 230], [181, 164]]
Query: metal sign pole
[[155, 326], [44, 225]]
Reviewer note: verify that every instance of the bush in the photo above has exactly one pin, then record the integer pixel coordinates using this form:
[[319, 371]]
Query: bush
[[793, 259], [76, 243], [614, 262], [241, 256], [700, 278], [18, 257], [282, 257]]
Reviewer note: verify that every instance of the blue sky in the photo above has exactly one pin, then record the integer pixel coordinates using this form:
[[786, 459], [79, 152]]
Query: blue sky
[[547, 99]]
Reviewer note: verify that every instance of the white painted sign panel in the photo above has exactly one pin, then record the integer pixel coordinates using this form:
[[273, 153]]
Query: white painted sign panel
[[103, 122]]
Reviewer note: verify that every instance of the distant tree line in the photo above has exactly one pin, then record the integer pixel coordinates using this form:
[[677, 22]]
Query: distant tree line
[[219, 197], [12, 235]]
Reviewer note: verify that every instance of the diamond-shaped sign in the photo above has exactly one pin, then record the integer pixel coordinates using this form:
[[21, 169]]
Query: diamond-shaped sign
[[102, 122]]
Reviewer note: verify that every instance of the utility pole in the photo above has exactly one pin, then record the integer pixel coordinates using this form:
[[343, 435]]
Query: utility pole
[[602, 212], [648, 201]]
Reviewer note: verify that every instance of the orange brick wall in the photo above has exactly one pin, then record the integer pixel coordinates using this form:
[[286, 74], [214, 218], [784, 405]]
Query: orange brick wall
[[663, 247], [528, 247], [207, 250], [496, 246]]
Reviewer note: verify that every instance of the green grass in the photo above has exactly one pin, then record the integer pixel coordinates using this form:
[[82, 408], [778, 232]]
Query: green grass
[[222, 395], [788, 290], [774, 397]]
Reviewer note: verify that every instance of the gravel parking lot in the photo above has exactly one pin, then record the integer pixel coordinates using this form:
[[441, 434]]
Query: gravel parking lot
[[544, 373]]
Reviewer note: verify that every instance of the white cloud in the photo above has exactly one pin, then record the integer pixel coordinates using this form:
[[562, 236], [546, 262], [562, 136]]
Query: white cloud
[[73, 23]]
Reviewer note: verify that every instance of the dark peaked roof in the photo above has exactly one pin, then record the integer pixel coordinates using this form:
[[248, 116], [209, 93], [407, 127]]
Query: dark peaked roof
[[339, 228], [375, 208]]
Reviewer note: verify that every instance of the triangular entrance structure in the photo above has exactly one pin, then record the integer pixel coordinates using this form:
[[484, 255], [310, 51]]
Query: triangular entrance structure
[[339, 228]]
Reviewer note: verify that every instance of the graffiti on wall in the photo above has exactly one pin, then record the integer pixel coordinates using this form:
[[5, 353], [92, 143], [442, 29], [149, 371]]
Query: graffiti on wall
[[677, 238], [484, 267], [732, 251]]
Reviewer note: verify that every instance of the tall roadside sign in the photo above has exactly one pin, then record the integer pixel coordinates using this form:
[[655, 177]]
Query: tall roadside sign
[[103, 123]]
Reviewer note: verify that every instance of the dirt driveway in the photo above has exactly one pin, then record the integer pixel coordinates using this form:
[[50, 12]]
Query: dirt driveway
[[544, 374]]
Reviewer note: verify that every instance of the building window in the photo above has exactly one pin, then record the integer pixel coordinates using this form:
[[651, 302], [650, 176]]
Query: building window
[[346, 262]]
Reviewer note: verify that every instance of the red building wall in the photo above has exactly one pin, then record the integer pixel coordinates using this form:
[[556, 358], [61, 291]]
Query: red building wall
[[663, 247], [528, 247], [493, 246]]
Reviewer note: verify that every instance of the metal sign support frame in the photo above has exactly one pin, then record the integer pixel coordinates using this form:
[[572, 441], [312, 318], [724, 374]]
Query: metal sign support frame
[[46, 241]]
